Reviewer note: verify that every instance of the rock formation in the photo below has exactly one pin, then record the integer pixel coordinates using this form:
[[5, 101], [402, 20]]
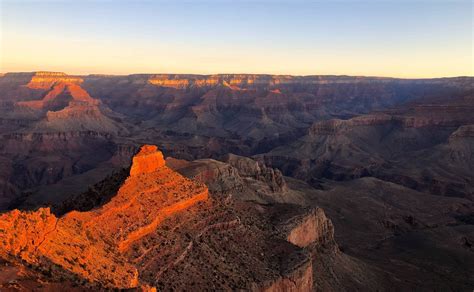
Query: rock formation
[[89, 244], [46, 80], [147, 160], [312, 228], [159, 227]]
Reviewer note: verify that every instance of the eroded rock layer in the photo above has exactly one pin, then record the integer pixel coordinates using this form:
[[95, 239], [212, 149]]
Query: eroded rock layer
[[163, 230], [90, 244]]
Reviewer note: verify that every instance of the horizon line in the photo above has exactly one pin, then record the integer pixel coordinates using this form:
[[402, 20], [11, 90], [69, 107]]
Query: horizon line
[[220, 74]]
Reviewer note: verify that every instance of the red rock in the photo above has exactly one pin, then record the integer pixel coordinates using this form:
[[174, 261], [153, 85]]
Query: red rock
[[90, 244], [148, 159]]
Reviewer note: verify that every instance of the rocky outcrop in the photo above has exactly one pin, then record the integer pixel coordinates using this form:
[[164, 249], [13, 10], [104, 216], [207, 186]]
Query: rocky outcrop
[[311, 229], [89, 244], [218, 176], [466, 131], [300, 279], [305, 227], [78, 116], [23, 232], [244, 178], [248, 167], [147, 160]]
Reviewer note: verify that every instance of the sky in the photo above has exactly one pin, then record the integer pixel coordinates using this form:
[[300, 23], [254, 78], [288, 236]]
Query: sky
[[408, 39]]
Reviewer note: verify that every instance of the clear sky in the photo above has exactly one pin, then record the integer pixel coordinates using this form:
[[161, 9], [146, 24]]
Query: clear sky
[[379, 37]]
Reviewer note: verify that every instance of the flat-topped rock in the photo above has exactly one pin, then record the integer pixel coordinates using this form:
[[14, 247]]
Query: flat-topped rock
[[147, 160]]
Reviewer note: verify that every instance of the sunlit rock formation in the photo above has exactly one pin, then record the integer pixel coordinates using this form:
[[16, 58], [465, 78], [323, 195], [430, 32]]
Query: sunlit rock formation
[[163, 230], [45, 80], [149, 159], [61, 93], [89, 245]]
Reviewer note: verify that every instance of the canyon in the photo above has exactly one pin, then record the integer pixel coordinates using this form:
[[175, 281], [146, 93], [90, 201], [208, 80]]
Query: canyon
[[236, 181]]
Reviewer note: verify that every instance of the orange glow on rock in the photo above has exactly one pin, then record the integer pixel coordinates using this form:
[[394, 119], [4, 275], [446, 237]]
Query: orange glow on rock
[[147, 160], [90, 244]]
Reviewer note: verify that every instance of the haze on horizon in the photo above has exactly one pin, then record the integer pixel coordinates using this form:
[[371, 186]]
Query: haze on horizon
[[409, 39]]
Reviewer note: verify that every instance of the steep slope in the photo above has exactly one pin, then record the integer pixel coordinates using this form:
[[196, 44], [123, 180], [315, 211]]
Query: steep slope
[[89, 244], [164, 230]]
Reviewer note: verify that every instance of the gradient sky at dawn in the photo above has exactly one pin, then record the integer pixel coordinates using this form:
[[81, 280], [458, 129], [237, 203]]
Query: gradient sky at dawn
[[383, 38]]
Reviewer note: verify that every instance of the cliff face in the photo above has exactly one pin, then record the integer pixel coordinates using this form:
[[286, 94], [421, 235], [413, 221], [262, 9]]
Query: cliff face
[[256, 80], [302, 227], [312, 229], [45, 80], [147, 160], [300, 279]]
